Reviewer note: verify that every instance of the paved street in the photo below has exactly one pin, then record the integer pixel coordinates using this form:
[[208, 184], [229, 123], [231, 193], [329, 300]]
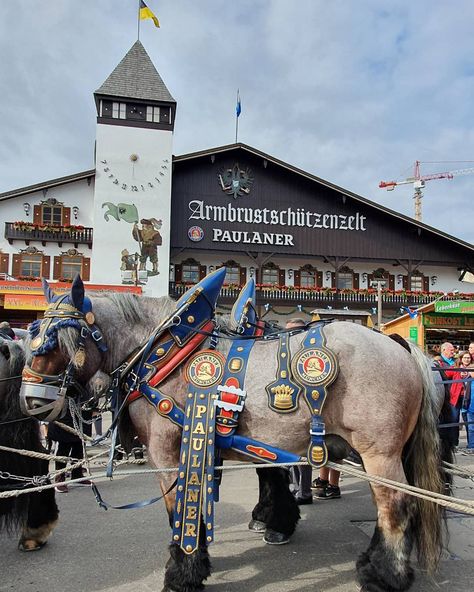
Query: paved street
[[93, 550]]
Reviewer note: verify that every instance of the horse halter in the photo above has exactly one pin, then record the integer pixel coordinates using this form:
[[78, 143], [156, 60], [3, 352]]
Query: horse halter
[[43, 396]]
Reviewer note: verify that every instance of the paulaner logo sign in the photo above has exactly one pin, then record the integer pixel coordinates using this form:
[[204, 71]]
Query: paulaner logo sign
[[291, 217]]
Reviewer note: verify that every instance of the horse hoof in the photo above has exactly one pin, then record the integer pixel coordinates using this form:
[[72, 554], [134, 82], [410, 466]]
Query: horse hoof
[[29, 545], [257, 525], [272, 537]]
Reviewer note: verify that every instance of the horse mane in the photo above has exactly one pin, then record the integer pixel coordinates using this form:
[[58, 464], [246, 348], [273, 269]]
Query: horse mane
[[115, 311], [15, 360]]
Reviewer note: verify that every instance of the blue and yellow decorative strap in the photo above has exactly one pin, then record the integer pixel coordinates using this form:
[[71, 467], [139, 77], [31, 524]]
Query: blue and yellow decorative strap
[[315, 367], [283, 392], [195, 488]]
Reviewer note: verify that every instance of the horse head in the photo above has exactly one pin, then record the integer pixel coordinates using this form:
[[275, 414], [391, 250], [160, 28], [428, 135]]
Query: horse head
[[57, 345]]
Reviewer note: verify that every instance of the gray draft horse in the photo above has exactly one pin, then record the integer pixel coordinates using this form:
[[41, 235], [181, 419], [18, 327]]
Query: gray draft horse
[[34, 514], [384, 403]]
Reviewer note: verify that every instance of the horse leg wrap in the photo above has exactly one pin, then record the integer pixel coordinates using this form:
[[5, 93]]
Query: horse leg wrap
[[186, 573], [383, 568]]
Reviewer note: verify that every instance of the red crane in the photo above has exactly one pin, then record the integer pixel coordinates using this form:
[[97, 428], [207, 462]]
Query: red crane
[[418, 182]]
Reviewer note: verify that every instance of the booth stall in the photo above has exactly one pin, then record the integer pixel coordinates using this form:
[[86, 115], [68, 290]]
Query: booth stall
[[431, 325]]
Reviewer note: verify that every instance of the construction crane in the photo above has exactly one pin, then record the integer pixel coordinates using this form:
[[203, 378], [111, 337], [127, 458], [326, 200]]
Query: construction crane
[[418, 182]]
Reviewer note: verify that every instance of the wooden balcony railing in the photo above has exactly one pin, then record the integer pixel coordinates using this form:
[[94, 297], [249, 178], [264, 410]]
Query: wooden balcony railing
[[356, 299], [78, 235]]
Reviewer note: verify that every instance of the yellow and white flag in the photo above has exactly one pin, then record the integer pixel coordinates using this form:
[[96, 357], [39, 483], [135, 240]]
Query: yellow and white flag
[[146, 13]]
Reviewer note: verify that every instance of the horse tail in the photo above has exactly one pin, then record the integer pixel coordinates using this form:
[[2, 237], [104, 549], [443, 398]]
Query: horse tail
[[422, 460]]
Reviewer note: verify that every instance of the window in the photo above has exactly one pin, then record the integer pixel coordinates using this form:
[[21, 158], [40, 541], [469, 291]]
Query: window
[[270, 275], [232, 273], [119, 110], [71, 266], [52, 214], [30, 265], [345, 280], [190, 273], [153, 114], [308, 278], [416, 283]]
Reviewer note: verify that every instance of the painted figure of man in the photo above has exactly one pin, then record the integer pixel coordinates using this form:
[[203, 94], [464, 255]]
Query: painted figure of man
[[149, 239]]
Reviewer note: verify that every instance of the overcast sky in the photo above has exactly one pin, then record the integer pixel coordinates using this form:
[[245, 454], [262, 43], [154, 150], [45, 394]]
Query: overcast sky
[[353, 91]]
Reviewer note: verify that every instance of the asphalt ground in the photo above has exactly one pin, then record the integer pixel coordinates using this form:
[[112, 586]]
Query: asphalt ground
[[94, 550]]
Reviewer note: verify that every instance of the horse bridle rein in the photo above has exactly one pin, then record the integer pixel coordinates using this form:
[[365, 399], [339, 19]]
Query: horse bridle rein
[[41, 395]]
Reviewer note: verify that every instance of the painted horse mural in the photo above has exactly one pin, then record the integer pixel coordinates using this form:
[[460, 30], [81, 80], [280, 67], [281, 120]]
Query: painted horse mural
[[383, 402]]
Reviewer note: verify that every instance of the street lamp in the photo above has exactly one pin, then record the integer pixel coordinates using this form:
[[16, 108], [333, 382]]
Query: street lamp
[[379, 284]]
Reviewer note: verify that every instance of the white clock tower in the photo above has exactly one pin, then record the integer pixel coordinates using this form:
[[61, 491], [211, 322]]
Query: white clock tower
[[132, 198]]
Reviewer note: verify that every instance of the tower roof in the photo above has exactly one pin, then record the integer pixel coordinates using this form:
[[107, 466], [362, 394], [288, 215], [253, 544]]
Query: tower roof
[[136, 77]]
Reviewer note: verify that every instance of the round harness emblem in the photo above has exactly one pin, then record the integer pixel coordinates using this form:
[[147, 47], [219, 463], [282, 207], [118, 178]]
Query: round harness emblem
[[205, 369], [315, 366]]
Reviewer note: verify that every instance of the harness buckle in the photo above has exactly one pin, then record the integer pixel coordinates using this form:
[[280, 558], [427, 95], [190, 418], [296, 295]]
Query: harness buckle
[[96, 335], [320, 432], [231, 390], [84, 332]]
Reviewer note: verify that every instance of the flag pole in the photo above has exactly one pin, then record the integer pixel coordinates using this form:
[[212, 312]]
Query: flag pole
[[138, 21], [237, 113]]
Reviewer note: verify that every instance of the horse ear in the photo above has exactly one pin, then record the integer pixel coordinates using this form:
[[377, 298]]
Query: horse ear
[[49, 294], [77, 292]]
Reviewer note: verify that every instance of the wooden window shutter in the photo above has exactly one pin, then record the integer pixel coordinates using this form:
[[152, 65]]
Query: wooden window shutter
[[297, 278], [319, 279], [37, 214], [426, 284], [57, 268], [16, 267], [202, 271], [391, 282], [281, 277], [45, 266], [257, 275], [243, 276], [356, 281], [86, 269], [178, 273], [4, 260], [333, 279], [405, 282], [66, 217]]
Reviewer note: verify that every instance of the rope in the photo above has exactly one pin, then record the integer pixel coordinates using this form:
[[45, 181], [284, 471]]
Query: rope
[[438, 498], [463, 506], [34, 454]]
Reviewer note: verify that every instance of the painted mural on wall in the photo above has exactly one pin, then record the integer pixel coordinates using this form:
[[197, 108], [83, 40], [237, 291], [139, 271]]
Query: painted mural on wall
[[136, 267], [149, 239]]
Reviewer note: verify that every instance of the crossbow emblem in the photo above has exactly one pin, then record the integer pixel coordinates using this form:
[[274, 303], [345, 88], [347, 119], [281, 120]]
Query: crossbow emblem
[[236, 181]]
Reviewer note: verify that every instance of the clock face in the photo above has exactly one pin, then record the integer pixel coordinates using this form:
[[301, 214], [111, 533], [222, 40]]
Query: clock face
[[133, 182]]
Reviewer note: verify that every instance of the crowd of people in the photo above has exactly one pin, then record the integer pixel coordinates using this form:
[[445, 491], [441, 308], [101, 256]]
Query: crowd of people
[[458, 367]]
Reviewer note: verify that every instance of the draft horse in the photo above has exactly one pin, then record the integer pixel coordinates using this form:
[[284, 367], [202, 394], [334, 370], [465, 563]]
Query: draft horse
[[384, 403], [34, 514]]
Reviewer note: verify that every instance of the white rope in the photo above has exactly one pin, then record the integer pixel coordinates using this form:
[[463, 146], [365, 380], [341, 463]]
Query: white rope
[[438, 498], [460, 505]]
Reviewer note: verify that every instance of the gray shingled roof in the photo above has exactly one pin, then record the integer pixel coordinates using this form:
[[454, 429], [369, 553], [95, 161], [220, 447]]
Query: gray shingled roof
[[136, 78]]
